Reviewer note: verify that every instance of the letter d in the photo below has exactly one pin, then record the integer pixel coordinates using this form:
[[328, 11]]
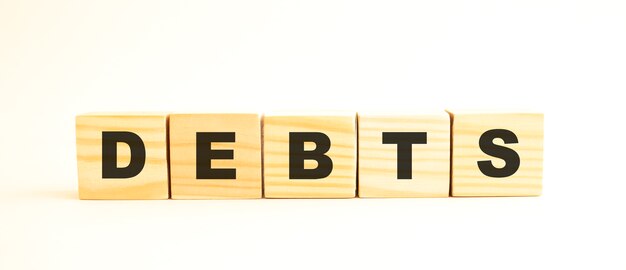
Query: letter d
[[109, 154]]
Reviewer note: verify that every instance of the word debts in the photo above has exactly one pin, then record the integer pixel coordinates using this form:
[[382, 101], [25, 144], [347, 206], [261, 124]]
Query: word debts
[[228, 156]]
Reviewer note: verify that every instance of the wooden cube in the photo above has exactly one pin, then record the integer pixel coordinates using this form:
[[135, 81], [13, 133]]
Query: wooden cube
[[215, 156], [300, 149], [497, 154], [122, 156], [404, 155]]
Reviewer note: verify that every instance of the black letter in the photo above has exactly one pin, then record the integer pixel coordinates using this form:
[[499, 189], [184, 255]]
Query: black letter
[[507, 154], [204, 155], [404, 140], [297, 155], [109, 154]]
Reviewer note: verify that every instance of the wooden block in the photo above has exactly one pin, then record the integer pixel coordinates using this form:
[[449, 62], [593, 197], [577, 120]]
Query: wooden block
[[497, 154], [215, 156], [106, 169], [288, 141], [404, 155]]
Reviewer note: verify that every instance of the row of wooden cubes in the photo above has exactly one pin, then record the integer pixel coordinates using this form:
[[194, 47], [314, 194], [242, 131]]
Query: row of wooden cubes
[[251, 153]]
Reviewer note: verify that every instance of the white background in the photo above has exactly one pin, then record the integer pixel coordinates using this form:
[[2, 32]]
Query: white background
[[564, 58]]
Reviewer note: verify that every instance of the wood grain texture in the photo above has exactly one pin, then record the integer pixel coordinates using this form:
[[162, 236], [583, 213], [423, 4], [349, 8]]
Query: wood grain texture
[[340, 128], [468, 180], [150, 183], [246, 156], [378, 162]]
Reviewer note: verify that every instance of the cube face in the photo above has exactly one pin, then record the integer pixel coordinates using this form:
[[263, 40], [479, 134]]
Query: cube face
[[186, 145], [341, 132], [151, 181], [469, 179], [380, 172]]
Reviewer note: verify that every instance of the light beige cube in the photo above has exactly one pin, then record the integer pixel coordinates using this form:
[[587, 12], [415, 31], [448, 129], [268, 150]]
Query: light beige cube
[[340, 128], [382, 173], [152, 180], [245, 148], [497, 177]]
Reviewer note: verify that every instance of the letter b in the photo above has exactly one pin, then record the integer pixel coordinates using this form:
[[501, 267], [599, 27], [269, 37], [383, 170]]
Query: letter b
[[297, 155]]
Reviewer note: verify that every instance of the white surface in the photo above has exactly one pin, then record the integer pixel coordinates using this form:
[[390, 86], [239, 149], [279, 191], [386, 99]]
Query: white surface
[[61, 58]]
